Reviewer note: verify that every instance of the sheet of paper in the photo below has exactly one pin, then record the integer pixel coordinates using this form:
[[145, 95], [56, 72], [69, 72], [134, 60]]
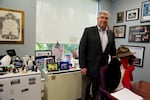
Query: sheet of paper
[[126, 94]]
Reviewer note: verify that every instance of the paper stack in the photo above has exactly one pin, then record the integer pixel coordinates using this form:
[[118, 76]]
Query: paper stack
[[126, 94]]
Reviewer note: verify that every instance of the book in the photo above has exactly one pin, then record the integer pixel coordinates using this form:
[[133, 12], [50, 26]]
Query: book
[[126, 94]]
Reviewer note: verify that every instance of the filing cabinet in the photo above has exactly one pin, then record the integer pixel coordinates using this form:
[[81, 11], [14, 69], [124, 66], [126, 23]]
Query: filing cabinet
[[62, 85], [20, 86]]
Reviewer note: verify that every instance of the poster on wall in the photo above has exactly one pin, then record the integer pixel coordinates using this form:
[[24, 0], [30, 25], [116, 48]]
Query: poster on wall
[[138, 53], [140, 33]]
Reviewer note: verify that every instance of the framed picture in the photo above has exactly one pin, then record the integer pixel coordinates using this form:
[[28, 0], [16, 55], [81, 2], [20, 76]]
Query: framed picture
[[120, 17], [64, 65], [52, 67], [145, 11], [132, 14], [50, 64], [140, 33], [119, 31], [11, 26], [39, 60], [139, 54], [43, 53], [11, 52], [50, 59]]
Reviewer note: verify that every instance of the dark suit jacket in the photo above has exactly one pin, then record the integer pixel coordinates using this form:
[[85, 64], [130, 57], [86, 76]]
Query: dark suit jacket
[[113, 75], [91, 55]]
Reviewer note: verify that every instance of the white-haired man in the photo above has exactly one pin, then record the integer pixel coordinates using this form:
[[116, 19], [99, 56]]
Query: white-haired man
[[96, 44]]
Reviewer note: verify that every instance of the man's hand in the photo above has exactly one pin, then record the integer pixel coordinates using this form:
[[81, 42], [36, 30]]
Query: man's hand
[[84, 71]]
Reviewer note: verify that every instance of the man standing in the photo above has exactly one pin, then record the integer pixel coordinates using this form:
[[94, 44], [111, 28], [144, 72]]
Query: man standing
[[96, 44]]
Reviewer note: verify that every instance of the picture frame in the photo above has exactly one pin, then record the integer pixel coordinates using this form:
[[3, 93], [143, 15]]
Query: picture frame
[[64, 65], [50, 64], [139, 34], [120, 17], [11, 26], [39, 60], [52, 67], [145, 15], [11, 52], [120, 31], [132, 14], [43, 53], [48, 60], [139, 52]]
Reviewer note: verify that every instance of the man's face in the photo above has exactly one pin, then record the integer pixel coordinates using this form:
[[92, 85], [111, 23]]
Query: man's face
[[102, 21]]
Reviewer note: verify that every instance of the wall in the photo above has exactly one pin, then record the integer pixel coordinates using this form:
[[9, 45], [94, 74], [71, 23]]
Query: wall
[[123, 5], [106, 5], [29, 8]]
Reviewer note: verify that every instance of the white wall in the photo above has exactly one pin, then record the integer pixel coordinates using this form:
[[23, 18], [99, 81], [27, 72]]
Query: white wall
[[106, 5], [123, 5], [64, 20]]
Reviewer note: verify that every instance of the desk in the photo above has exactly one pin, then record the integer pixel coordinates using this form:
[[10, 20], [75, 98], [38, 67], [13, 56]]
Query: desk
[[142, 88]]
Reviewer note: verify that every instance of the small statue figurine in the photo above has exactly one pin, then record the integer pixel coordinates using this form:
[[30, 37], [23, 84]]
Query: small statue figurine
[[10, 68], [30, 62], [18, 62], [34, 67], [25, 68]]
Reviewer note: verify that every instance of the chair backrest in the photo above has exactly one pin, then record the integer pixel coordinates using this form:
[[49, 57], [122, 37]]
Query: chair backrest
[[113, 75]]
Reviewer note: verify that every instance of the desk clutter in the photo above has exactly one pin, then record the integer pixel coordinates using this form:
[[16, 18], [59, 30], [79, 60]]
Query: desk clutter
[[20, 78], [11, 63], [57, 57]]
